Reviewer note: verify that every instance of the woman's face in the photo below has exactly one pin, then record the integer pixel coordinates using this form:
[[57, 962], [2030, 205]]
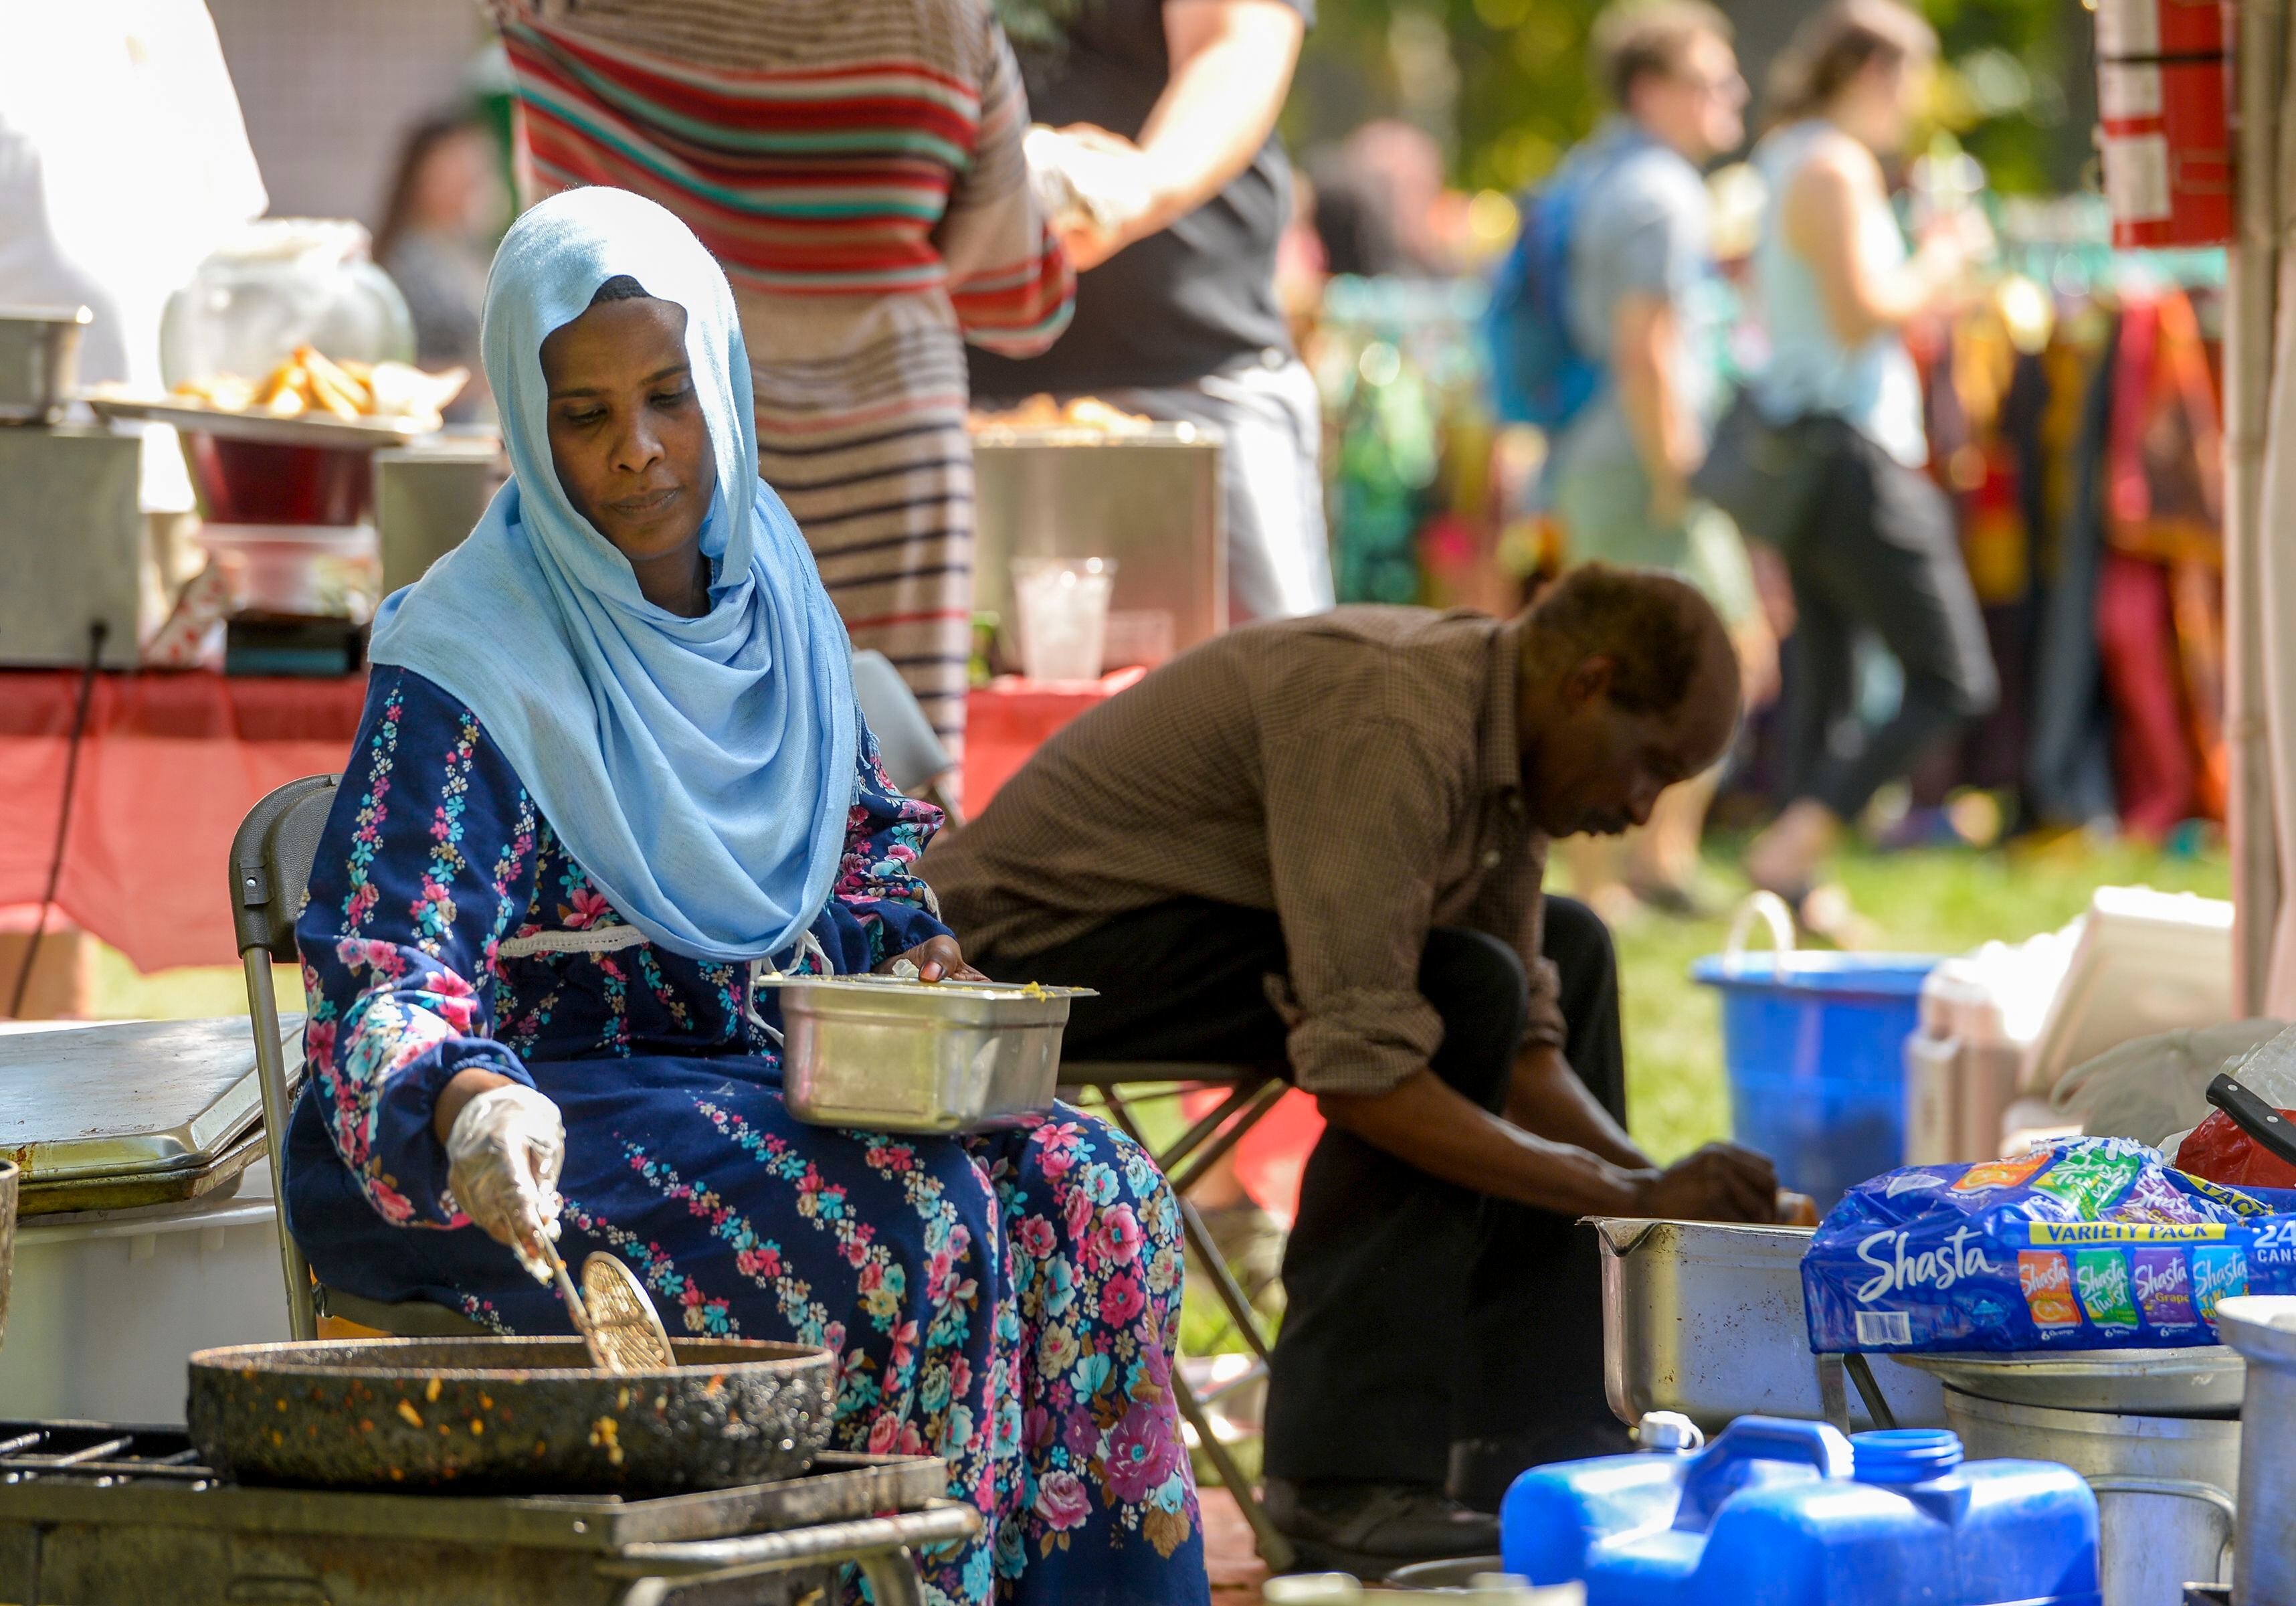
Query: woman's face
[[457, 190], [626, 434], [1897, 91]]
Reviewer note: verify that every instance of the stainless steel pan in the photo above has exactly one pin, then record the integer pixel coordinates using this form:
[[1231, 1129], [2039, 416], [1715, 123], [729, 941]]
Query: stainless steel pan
[[887, 1055], [39, 361]]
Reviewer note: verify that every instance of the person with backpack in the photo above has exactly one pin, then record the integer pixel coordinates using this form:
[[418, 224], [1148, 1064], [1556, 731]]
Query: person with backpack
[[1601, 338], [1871, 540]]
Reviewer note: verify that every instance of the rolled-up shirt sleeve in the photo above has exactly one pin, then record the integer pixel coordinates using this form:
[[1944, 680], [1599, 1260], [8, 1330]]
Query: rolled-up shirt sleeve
[[1358, 820]]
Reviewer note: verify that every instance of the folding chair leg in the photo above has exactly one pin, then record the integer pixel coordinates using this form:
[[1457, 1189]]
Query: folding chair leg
[[1224, 1283], [1190, 1140], [1121, 1112], [271, 1077], [1231, 1296], [1274, 1549], [1197, 1167]]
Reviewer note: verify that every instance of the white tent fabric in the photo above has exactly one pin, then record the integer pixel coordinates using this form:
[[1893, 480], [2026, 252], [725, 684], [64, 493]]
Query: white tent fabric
[[123, 163]]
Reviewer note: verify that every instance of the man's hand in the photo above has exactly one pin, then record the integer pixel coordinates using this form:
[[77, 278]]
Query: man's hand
[[1721, 1182], [937, 958], [1110, 184], [1232, 63]]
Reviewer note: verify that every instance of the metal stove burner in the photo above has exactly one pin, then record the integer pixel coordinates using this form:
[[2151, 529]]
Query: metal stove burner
[[127, 1515], [92, 1454]]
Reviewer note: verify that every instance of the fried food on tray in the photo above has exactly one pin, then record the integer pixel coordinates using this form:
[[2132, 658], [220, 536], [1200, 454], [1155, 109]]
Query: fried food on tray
[[1082, 413], [310, 384], [227, 391]]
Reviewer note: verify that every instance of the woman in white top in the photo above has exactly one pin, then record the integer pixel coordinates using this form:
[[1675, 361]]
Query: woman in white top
[[1877, 551]]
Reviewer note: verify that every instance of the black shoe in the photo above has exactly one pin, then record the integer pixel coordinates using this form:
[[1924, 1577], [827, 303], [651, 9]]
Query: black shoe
[[1483, 1469], [1369, 1528]]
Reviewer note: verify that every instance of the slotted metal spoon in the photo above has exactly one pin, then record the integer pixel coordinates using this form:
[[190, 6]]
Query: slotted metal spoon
[[625, 1334], [616, 1321]]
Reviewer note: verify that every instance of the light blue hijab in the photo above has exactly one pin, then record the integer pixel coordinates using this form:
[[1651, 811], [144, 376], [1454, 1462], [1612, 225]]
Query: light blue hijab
[[699, 770]]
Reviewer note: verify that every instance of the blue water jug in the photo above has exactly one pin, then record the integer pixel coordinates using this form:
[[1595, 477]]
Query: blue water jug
[[1789, 1513]]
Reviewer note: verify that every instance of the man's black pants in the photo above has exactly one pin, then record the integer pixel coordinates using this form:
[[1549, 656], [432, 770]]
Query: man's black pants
[[1418, 1315]]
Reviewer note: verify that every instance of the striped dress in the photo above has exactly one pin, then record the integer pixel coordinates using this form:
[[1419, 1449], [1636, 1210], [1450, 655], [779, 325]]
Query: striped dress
[[856, 166]]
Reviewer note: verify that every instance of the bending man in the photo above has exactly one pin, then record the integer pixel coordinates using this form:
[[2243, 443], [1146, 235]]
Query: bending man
[[1317, 844]]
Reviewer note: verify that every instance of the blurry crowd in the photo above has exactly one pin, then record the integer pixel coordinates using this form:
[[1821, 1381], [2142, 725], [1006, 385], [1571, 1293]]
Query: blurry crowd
[[1947, 464], [1954, 486]]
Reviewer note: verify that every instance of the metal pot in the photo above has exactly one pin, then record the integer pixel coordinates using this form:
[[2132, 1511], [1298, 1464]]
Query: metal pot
[[2263, 1328], [2165, 1507], [2097, 1444], [1707, 1319], [2201, 1379], [2158, 1534], [1151, 500], [524, 1413], [39, 361]]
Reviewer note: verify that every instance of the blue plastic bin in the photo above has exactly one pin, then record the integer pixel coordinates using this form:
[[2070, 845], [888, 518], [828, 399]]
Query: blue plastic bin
[[1789, 1514], [1815, 1045]]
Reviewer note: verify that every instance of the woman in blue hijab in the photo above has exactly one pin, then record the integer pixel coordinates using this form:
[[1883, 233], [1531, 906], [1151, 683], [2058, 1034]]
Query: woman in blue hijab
[[611, 769]]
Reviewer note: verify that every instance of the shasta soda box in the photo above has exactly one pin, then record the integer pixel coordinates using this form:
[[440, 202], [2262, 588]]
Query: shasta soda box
[[2089, 1243]]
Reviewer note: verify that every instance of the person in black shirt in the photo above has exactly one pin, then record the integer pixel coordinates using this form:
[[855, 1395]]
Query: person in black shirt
[[1175, 314]]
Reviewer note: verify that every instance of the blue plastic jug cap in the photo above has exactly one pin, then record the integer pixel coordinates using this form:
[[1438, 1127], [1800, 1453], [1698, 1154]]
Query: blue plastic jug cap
[[1904, 1454]]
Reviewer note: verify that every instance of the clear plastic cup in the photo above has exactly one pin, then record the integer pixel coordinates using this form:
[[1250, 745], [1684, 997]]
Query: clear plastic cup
[[1062, 604]]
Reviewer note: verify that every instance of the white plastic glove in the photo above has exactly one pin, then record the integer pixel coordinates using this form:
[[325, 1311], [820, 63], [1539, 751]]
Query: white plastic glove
[[503, 1155]]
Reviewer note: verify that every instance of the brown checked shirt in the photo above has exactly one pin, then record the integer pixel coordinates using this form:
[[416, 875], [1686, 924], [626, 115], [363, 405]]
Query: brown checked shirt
[[1357, 772]]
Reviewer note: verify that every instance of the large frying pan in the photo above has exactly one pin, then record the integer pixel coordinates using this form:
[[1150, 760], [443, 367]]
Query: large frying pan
[[528, 1414]]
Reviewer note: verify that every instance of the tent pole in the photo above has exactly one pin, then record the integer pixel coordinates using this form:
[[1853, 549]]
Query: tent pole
[[2249, 348]]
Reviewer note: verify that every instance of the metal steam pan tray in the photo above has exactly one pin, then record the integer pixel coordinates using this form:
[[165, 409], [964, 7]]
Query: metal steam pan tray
[[131, 1099], [1708, 1319]]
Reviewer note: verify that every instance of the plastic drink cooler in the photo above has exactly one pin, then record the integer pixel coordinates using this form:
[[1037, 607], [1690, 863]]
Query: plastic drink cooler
[[1791, 1513], [1813, 1045]]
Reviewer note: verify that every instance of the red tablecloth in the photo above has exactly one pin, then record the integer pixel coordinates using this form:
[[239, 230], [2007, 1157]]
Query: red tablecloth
[[172, 762], [1011, 718]]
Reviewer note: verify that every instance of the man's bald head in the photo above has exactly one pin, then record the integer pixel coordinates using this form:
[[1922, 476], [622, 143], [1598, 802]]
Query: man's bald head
[[1629, 683]]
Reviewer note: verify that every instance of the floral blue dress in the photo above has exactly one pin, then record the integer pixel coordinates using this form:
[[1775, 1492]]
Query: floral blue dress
[[1007, 1301]]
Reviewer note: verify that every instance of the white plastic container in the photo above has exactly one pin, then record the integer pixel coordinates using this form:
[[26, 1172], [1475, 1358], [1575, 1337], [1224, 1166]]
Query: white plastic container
[[1980, 1014], [2145, 962], [305, 569], [105, 1309]]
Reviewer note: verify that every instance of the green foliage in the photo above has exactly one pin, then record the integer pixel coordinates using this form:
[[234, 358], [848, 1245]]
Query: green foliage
[[1525, 93]]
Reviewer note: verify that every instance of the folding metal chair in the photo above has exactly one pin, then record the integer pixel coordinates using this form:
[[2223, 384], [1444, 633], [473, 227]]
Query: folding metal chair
[[912, 752], [1251, 1091], [271, 859]]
